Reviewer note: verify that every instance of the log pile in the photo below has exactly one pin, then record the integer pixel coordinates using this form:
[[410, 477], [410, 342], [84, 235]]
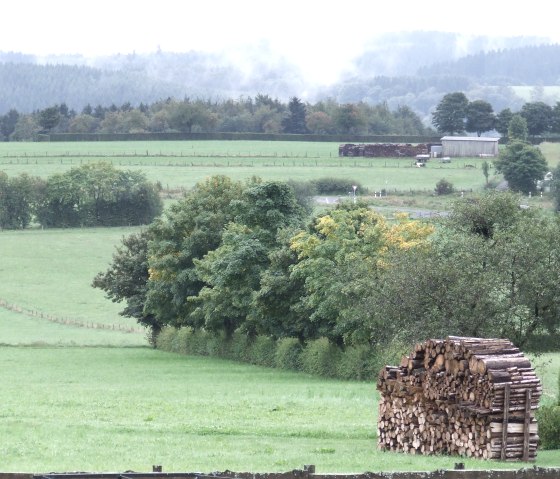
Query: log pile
[[464, 396], [383, 150]]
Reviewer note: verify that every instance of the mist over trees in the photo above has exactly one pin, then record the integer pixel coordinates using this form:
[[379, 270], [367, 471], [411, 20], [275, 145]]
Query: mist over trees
[[413, 69]]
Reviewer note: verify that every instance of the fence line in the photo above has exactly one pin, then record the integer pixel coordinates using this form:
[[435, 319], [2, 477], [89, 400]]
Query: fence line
[[67, 321]]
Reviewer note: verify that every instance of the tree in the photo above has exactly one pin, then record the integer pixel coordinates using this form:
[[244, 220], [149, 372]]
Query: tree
[[349, 119], [485, 170], [502, 121], [187, 231], [49, 118], [232, 272], [450, 113], [98, 195], [8, 124], [517, 128], [126, 279], [538, 116], [295, 121], [522, 166], [490, 271], [18, 199], [480, 117], [184, 116], [340, 259]]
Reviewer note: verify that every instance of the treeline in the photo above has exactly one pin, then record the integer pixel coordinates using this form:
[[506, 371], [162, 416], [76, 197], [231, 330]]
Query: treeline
[[261, 114], [91, 195], [245, 259]]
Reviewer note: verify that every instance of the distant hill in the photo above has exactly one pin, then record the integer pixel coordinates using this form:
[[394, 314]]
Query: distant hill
[[414, 69]]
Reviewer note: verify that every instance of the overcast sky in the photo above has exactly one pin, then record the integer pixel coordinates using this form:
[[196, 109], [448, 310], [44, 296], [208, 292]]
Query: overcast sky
[[310, 33]]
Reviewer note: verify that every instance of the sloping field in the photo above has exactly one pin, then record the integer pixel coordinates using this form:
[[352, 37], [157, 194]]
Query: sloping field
[[79, 392]]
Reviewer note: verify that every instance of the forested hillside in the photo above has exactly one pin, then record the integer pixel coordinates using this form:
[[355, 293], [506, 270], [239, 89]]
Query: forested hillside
[[413, 69]]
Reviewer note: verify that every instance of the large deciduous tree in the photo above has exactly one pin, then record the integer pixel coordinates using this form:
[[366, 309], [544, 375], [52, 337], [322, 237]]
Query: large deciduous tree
[[539, 117], [187, 231], [450, 113], [522, 166], [126, 279], [480, 117], [490, 270]]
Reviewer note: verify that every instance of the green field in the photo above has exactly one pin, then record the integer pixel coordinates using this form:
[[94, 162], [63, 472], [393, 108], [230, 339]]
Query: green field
[[182, 164], [81, 389], [90, 399]]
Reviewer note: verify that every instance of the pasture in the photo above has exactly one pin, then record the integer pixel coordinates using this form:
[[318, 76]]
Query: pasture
[[83, 398], [179, 165], [81, 389]]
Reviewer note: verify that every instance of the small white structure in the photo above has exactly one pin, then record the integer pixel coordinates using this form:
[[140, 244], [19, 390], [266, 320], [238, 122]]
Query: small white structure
[[469, 146]]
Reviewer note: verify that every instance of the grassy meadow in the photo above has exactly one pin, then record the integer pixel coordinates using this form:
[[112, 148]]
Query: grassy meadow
[[81, 389], [179, 165]]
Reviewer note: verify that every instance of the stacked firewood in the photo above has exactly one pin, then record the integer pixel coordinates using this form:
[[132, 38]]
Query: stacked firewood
[[467, 396], [383, 150]]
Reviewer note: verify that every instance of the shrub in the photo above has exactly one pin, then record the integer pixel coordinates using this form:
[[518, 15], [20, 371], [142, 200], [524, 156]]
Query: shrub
[[548, 418], [238, 348], [444, 187], [288, 354], [262, 351], [337, 186], [165, 338], [357, 362], [320, 358]]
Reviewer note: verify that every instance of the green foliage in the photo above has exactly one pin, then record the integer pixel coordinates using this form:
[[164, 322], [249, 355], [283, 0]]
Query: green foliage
[[288, 354], [488, 273], [548, 418], [450, 113], [187, 231], [480, 117], [263, 351], [127, 280], [295, 122], [98, 195], [19, 197], [444, 187], [320, 358], [538, 116], [522, 166], [517, 128], [337, 186], [358, 363]]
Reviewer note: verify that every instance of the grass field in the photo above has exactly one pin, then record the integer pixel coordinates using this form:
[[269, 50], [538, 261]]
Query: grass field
[[50, 272], [79, 392], [100, 409], [69, 407], [181, 164]]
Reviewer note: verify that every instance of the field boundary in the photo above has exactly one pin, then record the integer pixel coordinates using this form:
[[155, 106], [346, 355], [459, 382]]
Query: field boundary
[[67, 321], [529, 473]]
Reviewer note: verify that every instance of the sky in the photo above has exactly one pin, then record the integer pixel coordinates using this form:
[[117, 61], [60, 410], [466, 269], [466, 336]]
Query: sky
[[310, 33]]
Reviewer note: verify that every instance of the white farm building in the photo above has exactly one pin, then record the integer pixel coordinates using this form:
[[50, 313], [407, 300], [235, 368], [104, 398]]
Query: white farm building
[[454, 146]]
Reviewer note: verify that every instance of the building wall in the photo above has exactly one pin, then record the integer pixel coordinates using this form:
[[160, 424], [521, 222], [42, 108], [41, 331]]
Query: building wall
[[457, 148]]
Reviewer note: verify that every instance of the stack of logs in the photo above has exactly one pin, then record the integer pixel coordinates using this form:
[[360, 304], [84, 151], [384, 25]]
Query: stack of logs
[[465, 396], [383, 150]]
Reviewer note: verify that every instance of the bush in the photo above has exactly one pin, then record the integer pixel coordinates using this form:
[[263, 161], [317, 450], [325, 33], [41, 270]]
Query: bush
[[239, 345], [444, 187], [548, 418], [288, 354], [262, 351], [165, 338], [337, 186], [320, 358], [357, 362]]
